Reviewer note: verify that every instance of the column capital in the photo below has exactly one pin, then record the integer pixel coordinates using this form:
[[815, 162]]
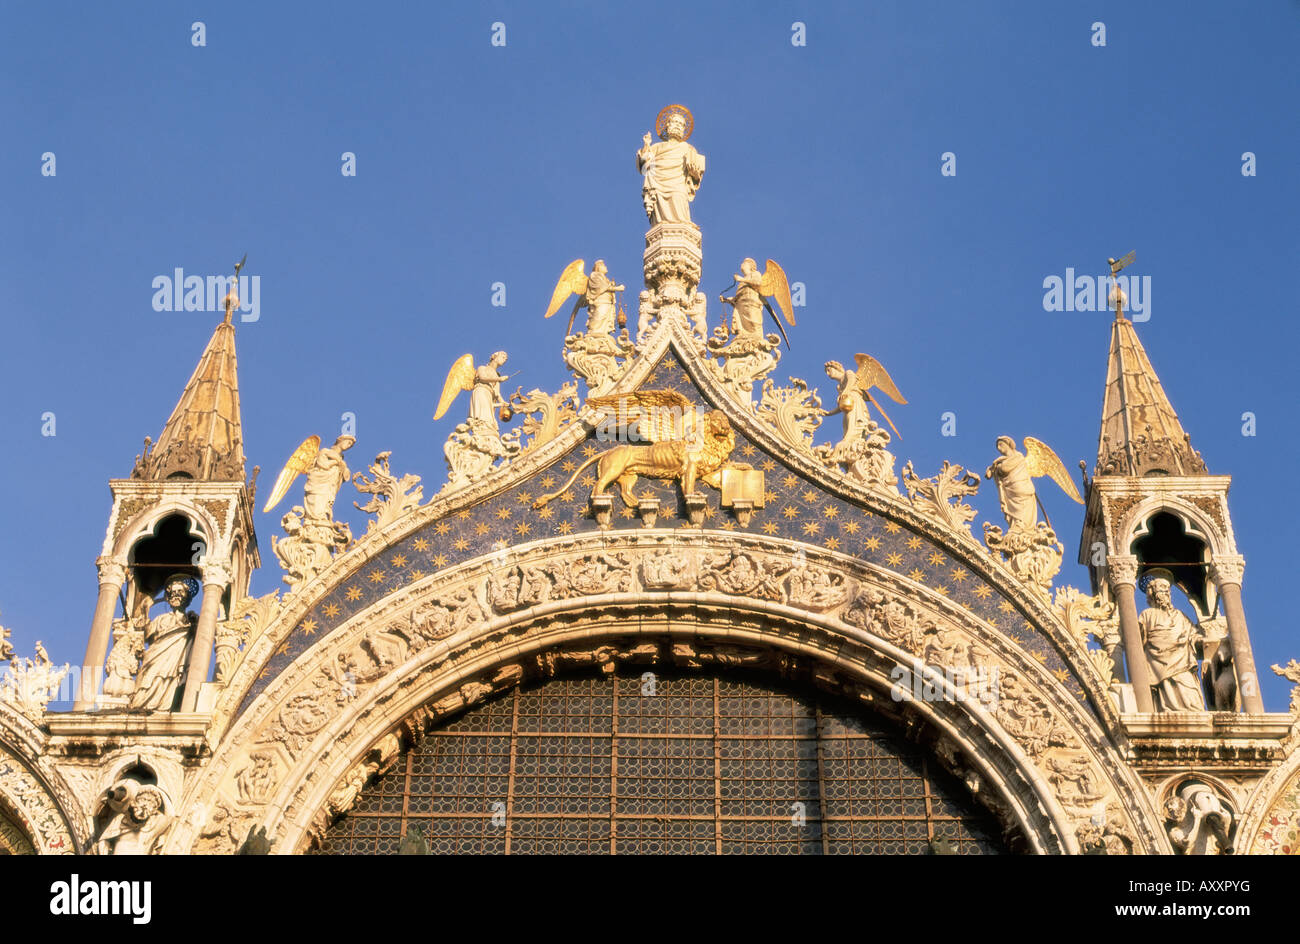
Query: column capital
[[1121, 570], [112, 570], [1226, 569], [215, 574]]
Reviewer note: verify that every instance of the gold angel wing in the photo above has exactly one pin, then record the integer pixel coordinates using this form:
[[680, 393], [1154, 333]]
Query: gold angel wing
[[775, 283], [870, 373], [572, 280], [1042, 461], [460, 377], [661, 415], [302, 459]]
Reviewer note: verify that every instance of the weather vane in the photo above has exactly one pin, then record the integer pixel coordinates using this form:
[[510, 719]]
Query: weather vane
[[232, 299], [1116, 293]]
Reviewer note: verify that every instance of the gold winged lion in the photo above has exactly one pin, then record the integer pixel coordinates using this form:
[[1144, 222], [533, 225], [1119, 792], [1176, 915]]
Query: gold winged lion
[[684, 445]]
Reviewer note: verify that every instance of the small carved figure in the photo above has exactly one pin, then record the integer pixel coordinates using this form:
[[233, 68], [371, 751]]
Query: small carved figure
[[168, 638], [1170, 641], [854, 393], [484, 384], [139, 819], [672, 169], [1199, 822]]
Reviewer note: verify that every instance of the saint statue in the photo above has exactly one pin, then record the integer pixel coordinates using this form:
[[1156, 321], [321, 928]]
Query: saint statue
[[1169, 639], [168, 638], [672, 168]]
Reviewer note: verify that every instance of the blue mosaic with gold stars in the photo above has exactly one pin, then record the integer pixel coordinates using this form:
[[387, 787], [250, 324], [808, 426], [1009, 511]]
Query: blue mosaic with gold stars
[[794, 508]]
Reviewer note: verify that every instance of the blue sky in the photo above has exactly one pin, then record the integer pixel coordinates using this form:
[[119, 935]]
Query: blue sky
[[479, 164]]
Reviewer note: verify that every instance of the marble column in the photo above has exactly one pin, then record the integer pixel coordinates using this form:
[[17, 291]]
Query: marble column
[[112, 574], [216, 578], [1121, 572], [1225, 571]]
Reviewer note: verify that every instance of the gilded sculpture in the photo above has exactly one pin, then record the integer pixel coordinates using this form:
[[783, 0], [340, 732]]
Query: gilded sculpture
[[475, 445], [312, 537]]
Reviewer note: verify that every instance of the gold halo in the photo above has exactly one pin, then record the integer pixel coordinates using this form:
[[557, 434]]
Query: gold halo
[[661, 122]]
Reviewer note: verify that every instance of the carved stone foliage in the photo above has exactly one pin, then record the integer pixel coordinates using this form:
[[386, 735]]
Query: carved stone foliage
[[862, 455], [1146, 452], [940, 496], [743, 360], [391, 497], [249, 616], [476, 448], [1291, 672], [1089, 618], [545, 414], [6, 647], [1034, 557], [795, 411], [31, 684], [599, 359], [28, 797]]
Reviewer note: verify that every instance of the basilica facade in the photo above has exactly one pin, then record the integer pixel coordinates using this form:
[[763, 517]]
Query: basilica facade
[[673, 606]]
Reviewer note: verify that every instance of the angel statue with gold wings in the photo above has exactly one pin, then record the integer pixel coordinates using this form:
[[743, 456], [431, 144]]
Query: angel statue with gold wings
[[326, 472], [669, 439], [484, 385], [596, 293], [752, 291], [1015, 472], [854, 393]]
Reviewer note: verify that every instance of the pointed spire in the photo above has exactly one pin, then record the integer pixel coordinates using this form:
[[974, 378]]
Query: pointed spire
[[1140, 432], [203, 438]]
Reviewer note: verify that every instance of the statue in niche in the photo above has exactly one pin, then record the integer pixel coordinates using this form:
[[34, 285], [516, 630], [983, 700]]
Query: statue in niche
[[672, 169], [1169, 639], [1198, 821], [167, 638], [138, 819]]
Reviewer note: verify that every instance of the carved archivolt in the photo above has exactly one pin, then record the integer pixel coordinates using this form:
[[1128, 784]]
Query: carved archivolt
[[36, 810], [292, 758]]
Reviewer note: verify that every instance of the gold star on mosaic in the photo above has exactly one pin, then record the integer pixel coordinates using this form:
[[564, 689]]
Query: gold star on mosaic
[[331, 610], [913, 543], [522, 528], [941, 589], [790, 511], [850, 527], [503, 514], [282, 649], [983, 591], [915, 574], [628, 513], [309, 627], [935, 558], [463, 514], [567, 497], [1039, 658], [769, 527], [747, 450], [1029, 626], [768, 465], [439, 560], [546, 512], [789, 481], [1061, 674], [442, 528], [564, 527], [1018, 639], [461, 544], [810, 495], [893, 560], [399, 560], [830, 511], [569, 465], [377, 577], [892, 527], [811, 527], [523, 498], [421, 544], [832, 543], [873, 543], [709, 511], [1006, 607], [353, 594], [589, 480], [769, 498], [417, 573], [652, 377], [966, 604], [728, 525], [958, 575], [548, 481], [589, 450]]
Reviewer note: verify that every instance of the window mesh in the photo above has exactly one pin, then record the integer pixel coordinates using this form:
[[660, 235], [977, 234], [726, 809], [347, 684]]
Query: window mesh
[[695, 764]]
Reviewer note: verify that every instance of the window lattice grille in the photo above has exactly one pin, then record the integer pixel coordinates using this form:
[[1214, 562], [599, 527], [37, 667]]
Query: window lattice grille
[[703, 765]]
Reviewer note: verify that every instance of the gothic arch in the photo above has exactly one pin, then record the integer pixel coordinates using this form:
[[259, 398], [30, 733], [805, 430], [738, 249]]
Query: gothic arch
[[29, 796], [1198, 522], [451, 639], [142, 525]]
